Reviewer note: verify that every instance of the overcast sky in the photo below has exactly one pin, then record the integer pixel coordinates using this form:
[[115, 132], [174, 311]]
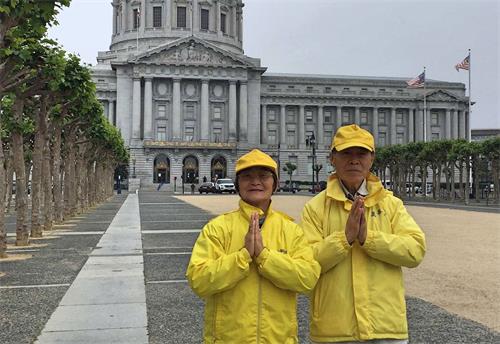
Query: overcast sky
[[392, 38]]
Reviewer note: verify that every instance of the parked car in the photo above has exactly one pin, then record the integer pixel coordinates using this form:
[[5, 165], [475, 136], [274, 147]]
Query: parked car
[[207, 188], [225, 185], [287, 188]]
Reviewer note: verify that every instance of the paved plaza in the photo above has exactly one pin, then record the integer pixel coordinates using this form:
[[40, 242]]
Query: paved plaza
[[116, 274]]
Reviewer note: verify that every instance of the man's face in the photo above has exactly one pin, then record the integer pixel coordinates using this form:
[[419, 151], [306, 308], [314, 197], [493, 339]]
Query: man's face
[[353, 165], [256, 186]]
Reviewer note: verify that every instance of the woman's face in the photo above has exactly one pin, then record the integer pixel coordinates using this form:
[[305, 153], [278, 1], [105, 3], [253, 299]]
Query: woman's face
[[256, 186]]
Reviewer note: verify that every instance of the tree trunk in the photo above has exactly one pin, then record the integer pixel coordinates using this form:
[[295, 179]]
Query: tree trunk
[[36, 178], [69, 176], [56, 171], [9, 179], [22, 234], [47, 186], [3, 231]]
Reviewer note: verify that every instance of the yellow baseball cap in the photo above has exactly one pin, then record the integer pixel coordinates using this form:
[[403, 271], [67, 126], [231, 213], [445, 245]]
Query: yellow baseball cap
[[352, 136], [256, 158]]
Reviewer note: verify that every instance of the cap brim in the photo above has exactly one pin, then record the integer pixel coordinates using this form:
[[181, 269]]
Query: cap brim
[[352, 144]]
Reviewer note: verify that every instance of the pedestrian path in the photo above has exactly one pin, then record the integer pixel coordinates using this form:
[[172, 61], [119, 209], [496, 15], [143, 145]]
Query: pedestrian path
[[106, 303]]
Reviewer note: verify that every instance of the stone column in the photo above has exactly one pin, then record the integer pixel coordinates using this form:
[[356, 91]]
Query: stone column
[[320, 130], [115, 29], [357, 115], [419, 125], [455, 123], [411, 130], [243, 111], [232, 111], [205, 121], [302, 140], [375, 125], [338, 117], [148, 109], [448, 124], [233, 23], [283, 127], [429, 126], [263, 139], [176, 110], [111, 111], [136, 109], [463, 134], [393, 126]]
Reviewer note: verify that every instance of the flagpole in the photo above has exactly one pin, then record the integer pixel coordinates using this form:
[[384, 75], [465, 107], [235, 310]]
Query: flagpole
[[425, 107], [469, 129]]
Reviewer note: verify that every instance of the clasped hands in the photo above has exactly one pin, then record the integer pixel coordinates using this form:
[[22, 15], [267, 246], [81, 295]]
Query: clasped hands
[[355, 228], [253, 239]]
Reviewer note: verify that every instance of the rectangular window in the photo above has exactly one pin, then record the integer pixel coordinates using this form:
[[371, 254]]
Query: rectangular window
[[346, 118], [161, 134], [271, 115], [217, 135], [290, 117], [309, 116], [400, 137], [435, 136], [189, 134], [223, 22], [137, 18], [327, 137], [271, 137], [399, 118], [181, 17], [328, 90], [381, 139], [205, 15], [162, 111], [364, 118], [327, 117], [217, 112], [157, 20], [434, 118], [381, 118], [190, 112], [290, 138], [309, 89]]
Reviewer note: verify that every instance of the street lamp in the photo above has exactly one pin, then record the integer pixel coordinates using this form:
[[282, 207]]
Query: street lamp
[[133, 171], [311, 142]]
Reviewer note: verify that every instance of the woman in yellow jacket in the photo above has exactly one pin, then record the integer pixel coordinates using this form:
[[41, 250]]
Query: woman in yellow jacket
[[248, 265], [361, 235]]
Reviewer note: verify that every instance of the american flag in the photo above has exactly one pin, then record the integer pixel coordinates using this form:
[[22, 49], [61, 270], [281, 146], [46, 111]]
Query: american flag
[[465, 64], [419, 81]]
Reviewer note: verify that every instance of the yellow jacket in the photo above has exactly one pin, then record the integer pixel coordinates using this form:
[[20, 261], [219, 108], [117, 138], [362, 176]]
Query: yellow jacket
[[360, 294], [245, 301]]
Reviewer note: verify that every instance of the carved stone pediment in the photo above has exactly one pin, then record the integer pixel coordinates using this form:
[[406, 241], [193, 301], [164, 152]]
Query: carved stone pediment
[[190, 52], [442, 96]]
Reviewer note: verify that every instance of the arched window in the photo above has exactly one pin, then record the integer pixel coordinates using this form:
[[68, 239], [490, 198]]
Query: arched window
[[161, 169], [190, 169], [218, 167]]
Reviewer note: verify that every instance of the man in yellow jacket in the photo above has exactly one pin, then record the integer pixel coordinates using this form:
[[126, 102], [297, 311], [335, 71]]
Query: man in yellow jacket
[[248, 265], [361, 235]]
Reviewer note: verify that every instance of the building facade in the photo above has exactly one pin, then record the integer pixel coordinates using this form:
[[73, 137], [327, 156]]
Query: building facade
[[188, 102]]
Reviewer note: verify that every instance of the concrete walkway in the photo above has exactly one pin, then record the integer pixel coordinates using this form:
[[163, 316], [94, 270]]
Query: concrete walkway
[[106, 303]]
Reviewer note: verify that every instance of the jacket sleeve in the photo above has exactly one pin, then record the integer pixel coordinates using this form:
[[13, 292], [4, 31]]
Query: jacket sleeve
[[329, 250], [294, 270], [403, 245], [210, 269]]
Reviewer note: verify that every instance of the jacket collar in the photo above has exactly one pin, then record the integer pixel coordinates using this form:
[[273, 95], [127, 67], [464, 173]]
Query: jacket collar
[[375, 191], [248, 209]]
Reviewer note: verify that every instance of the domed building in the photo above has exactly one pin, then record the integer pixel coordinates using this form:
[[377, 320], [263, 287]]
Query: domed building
[[189, 102]]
